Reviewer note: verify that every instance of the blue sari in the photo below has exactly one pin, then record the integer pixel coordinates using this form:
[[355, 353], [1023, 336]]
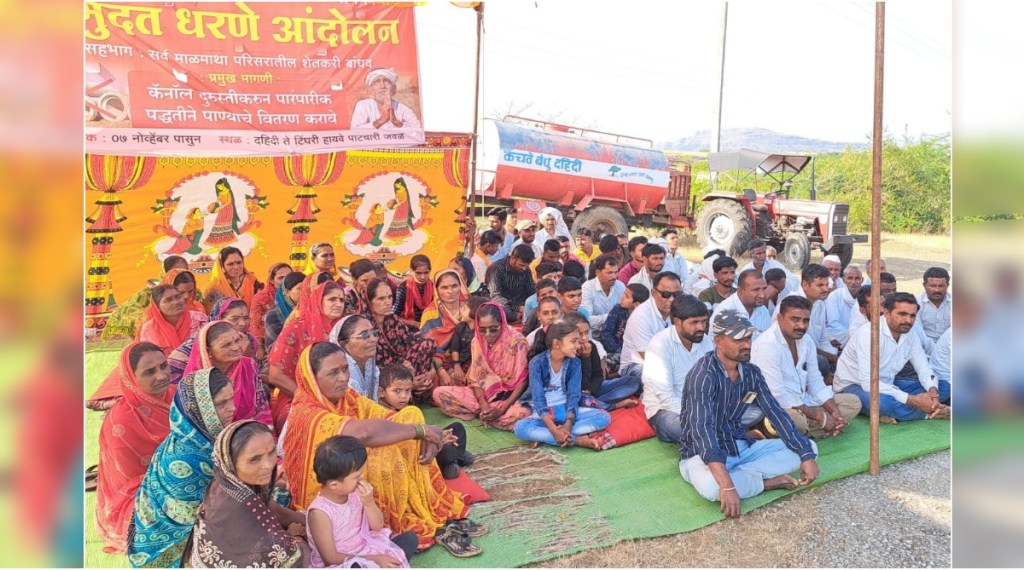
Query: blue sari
[[177, 478]]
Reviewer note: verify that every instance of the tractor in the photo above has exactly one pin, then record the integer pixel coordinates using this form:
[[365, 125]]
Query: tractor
[[729, 220]]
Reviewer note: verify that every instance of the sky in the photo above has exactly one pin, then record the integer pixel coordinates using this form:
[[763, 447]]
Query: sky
[[647, 68]]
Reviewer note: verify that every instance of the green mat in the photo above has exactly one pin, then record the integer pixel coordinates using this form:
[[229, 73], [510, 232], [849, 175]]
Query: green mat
[[572, 500]]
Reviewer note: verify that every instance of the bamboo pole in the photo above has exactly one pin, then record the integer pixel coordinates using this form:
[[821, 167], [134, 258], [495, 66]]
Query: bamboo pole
[[471, 194], [876, 226]]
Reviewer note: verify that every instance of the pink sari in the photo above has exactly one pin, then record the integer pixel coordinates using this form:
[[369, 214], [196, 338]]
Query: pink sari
[[251, 401]]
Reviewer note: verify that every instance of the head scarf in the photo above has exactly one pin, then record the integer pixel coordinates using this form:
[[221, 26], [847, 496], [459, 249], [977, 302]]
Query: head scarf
[[308, 287], [193, 303], [161, 332], [311, 267], [385, 72], [438, 323], [235, 526], [472, 283], [177, 478], [244, 375], [221, 307], [707, 270], [283, 302], [560, 228], [220, 285], [131, 431], [502, 367], [414, 300], [364, 380]]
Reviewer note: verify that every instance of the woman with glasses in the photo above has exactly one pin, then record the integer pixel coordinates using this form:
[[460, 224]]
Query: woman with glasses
[[497, 374], [357, 337]]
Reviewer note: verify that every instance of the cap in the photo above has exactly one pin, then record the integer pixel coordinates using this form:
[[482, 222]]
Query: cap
[[523, 224], [733, 325], [832, 258]]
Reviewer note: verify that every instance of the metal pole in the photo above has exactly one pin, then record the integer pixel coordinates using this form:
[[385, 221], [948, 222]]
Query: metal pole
[[876, 225], [814, 194], [471, 198], [716, 133]]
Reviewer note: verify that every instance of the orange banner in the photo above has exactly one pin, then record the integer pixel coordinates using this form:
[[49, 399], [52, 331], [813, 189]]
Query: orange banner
[[384, 204]]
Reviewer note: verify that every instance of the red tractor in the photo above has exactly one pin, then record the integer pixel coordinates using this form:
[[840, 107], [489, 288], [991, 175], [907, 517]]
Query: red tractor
[[793, 227]]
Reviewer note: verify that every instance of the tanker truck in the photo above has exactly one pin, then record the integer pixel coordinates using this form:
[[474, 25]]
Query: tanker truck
[[609, 182]]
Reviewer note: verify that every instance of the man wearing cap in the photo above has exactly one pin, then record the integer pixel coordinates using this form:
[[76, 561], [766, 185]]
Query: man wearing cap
[[650, 318], [716, 455], [749, 300], [788, 360], [381, 110], [528, 235], [835, 271]]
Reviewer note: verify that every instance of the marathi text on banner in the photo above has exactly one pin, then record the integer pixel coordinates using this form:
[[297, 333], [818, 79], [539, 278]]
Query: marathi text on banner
[[234, 79]]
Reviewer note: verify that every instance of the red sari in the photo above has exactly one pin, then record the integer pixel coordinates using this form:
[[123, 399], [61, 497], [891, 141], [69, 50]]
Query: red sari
[[132, 430], [250, 397]]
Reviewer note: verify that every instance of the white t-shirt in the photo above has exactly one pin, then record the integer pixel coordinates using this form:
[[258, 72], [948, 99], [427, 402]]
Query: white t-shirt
[[666, 364], [645, 322]]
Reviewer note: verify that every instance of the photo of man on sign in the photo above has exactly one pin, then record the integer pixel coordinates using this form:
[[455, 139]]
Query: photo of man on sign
[[381, 110]]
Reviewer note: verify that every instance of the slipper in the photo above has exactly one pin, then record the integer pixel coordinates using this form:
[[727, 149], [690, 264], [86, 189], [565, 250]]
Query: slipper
[[468, 527], [604, 440], [458, 544], [91, 478]]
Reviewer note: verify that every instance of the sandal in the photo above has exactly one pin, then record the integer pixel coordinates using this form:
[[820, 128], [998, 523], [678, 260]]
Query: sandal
[[458, 544], [468, 527], [91, 476]]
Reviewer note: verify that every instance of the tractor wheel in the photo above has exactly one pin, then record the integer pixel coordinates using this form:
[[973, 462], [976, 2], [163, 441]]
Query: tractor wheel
[[600, 219], [724, 224], [796, 253], [844, 251]]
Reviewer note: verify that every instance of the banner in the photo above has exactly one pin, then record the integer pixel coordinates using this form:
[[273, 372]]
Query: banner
[[385, 205], [267, 79]]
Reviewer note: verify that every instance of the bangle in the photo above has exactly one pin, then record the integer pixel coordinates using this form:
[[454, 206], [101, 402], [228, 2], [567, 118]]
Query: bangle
[[824, 418], [729, 489], [419, 431]]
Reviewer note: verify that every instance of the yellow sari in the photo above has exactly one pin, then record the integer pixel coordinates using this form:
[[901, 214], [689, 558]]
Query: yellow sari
[[413, 497]]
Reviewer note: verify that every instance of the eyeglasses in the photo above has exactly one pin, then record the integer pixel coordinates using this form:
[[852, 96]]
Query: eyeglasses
[[366, 335], [667, 294], [490, 330]]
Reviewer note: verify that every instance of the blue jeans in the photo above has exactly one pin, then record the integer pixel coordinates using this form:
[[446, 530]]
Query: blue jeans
[[763, 459], [889, 406], [666, 426], [588, 420], [617, 389]]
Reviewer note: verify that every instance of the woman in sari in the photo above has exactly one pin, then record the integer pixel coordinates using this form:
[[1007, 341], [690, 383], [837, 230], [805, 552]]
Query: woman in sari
[[321, 259], [497, 374], [238, 525], [231, 279], [399, 344], [311, 322], [285, 300], [131, 432], [125, 319], [357, 337], [167, 322], [220, 346], [185, 282], [362, 271], [441, 320], [180, 471], [415, 293], [225, 224], [263, 301], [407, 484], [228, 309]]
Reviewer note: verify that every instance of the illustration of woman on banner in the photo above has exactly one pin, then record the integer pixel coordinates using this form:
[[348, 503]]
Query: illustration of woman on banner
[[191, 234], [225, 225], [402, 222], [391, 205]]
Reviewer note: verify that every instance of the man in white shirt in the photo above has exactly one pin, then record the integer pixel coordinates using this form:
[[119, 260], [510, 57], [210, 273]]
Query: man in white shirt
[[900, 399], [867, 270], [788, 360], [654, 263], [758, 252], [748, 301], [859, 317], [936, 303], [840, 304], [674, 261], [647, 320], [670, 355], [942, 355], [496, 218], [603, 292], [779, 287], [381, 110], [835, 271], [814, 287]]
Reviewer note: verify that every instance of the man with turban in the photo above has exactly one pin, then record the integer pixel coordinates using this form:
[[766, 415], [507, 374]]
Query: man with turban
[[381, 110]]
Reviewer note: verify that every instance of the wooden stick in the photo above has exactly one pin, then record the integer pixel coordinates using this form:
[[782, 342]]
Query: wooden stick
[[876, 227]]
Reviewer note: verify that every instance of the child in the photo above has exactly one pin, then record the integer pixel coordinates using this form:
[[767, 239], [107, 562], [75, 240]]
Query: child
[[395, 393], [548, 311], [570, 291], [415, 293], [344, 526], [460, 350], [598, 392], [546, 287], [615, 324], [555, 392]]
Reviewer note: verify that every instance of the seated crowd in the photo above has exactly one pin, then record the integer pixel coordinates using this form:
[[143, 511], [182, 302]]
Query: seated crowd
[[279, 424]]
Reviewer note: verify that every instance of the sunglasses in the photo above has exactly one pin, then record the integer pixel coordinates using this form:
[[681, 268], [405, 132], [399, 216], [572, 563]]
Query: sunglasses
[[667, 294], [490, 330], [366, 335]]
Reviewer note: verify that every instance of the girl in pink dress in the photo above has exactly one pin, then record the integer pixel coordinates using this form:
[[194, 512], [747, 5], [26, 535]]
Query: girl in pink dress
[[344, 526]]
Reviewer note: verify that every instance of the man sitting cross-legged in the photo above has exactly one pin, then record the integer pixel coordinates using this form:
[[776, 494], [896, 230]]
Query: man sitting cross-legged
[[716, 455], [787, 358]]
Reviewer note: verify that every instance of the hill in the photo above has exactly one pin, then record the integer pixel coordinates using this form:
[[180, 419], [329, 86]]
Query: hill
[[758, 139]]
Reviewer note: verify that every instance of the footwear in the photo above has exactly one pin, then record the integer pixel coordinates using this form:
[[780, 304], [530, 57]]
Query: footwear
[[450, 471], [468, 527], [458, 544], [91, 478], [466, 459]]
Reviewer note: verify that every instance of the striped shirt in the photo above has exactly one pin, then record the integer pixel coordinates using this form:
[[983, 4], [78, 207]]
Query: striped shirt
[[509, 287], [713, 406]]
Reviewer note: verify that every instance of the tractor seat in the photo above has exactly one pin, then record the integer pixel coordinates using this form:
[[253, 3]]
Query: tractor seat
[[752, 196]]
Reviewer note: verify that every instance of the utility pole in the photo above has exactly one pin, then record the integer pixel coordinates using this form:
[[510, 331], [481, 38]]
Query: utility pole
[[876, 232], [716, 132]]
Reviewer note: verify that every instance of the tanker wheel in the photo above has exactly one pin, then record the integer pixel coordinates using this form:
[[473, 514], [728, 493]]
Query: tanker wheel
[[796, 253], [724, 224], [844, 251], [600, 219]]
